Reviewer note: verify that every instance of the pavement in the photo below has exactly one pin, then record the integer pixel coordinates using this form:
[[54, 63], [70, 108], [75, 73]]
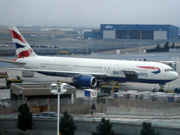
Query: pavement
[[149, 87], [39, 78], [173, 121]]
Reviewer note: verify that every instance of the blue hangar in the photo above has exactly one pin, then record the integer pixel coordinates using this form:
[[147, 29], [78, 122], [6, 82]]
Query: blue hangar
[[134, 31]]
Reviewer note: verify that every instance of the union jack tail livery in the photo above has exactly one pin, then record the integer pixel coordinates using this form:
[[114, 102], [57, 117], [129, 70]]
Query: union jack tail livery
[[23, 49]]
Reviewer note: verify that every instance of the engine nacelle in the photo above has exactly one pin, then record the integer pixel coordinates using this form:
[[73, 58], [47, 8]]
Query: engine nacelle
[[85, 81]]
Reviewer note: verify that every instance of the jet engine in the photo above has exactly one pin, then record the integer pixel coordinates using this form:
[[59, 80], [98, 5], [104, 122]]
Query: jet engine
[[85, 81]]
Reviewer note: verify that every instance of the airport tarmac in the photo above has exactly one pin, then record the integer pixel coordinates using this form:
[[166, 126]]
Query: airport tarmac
[[149, 87], [39, 78]]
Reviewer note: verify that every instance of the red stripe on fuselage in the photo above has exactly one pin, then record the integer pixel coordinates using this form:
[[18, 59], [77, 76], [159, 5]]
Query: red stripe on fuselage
[[149, 67], [24, 53], [17, 36]]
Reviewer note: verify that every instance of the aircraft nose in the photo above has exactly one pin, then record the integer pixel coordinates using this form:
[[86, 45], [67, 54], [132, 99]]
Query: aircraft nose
[[175, 75]]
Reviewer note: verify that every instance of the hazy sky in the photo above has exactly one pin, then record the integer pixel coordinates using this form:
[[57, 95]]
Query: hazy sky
[[89, 13]]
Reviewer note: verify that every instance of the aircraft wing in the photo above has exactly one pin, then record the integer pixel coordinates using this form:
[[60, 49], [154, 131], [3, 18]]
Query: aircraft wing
[[131, 76], [62, 73]]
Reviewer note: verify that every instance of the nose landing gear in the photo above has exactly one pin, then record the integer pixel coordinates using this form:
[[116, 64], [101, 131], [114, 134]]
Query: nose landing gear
[[161, 89]]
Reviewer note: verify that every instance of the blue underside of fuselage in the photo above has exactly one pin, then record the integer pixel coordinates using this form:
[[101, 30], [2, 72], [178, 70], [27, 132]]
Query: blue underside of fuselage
[[118, 79]]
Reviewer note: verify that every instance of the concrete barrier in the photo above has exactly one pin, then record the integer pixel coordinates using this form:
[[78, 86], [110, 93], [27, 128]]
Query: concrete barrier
[[142, 108], [112, 110], [172, 111], [134, 111]]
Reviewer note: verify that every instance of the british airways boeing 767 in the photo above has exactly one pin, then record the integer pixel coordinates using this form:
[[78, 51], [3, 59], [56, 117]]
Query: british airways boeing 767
[[87, 72]]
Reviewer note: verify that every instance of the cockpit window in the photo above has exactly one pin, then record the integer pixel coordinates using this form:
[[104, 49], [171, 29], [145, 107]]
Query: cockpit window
[[167, 70]]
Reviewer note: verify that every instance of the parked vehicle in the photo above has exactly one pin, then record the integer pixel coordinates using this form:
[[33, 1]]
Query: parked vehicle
[[46, 115]]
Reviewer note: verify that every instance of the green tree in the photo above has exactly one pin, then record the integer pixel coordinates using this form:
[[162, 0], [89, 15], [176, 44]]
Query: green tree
[[147, 129], [67, 126], [24, 118], [104, 128]]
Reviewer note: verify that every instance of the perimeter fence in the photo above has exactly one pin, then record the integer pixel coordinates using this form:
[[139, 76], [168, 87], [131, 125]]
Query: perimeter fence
[[83, 105]]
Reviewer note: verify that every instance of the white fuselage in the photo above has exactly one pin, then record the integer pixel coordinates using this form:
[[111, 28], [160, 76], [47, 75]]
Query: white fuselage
[[148, 72]]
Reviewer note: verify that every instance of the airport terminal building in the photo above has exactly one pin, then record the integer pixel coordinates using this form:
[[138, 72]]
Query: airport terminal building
[[135, 31]]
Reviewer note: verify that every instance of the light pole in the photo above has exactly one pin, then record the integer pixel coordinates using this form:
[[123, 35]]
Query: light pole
[[56, 90]]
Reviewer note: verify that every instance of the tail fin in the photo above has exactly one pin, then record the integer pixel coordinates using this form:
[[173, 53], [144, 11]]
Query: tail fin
[[23, 49]]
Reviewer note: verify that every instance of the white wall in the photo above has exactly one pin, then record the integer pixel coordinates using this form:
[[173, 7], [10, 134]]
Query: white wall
[[160, 35], [111, 34]]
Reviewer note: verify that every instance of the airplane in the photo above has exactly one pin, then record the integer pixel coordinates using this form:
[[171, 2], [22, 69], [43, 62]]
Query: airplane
[[88, 72]]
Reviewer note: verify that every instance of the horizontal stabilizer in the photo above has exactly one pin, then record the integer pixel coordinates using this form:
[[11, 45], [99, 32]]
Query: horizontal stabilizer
[[13, 62]]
